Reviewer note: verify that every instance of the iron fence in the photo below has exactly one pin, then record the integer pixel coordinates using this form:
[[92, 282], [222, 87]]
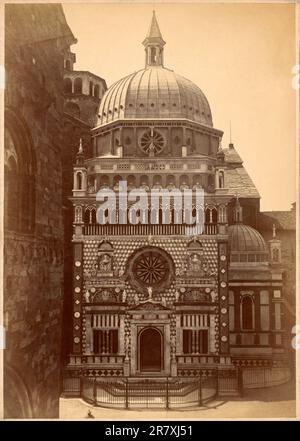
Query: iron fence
[[148, 393]]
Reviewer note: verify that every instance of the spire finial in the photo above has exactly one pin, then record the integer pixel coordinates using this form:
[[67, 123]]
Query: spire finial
[[231, 146], [238, 211], [80, 150], [154, 44], [274, 231]]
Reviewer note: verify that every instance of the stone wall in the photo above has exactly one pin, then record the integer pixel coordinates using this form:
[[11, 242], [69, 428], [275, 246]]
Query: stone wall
[[37, 36]]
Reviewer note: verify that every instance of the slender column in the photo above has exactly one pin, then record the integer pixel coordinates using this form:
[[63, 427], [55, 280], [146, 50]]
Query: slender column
[[107, 342]]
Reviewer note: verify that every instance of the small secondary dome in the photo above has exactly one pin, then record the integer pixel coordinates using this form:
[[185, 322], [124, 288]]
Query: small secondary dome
[[245, 238], [246, 244]]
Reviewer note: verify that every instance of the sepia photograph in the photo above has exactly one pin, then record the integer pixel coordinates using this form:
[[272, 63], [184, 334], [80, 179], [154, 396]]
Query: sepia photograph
[[149, 204]]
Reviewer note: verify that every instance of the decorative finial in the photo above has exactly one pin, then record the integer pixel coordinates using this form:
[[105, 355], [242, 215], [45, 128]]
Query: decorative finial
[[80, 146], [238, 211], [231, 146], [274, 231]]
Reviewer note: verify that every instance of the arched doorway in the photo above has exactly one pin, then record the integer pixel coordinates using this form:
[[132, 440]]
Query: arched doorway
[[150, 350]]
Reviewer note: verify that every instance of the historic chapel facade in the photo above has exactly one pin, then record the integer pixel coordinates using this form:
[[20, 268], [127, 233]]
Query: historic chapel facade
[[148, 299]]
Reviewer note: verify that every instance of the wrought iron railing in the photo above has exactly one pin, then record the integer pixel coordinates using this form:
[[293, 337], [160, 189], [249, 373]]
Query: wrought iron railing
[[129, 393], [148, 393]]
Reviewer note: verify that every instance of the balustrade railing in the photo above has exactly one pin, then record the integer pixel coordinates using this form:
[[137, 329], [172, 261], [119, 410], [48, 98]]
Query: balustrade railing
[[196, 359], [96, 359], [143, 229]]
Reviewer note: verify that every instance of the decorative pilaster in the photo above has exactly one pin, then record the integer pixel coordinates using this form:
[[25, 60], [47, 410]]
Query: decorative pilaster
[[223, 297], [77, 297]]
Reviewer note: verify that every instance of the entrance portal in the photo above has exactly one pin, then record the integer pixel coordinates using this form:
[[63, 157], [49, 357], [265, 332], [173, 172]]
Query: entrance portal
[[150, 350]]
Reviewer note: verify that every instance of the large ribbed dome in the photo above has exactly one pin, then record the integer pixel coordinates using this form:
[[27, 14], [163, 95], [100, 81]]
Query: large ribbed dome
[[154, 92]]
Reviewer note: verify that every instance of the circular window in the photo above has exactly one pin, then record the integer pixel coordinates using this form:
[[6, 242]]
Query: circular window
[[152, 141], [150, 267]]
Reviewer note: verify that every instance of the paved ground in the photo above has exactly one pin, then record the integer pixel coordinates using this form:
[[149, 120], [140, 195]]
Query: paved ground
[[275, 402]]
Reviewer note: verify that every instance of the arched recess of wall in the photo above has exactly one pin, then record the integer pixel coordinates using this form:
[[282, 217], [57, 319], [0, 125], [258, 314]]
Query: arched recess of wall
[[78, 85], [222, 214], [221, 181], [68, 65], [211, 215], [79, 180], [17, 399], [247, 312], [19, 174], [67, 85]]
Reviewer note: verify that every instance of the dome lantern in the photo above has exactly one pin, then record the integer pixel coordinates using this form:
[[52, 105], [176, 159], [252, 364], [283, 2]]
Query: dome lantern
[[154, 44]]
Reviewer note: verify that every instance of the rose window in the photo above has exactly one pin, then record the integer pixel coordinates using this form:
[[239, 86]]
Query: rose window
[[152, 142], [150, 267]]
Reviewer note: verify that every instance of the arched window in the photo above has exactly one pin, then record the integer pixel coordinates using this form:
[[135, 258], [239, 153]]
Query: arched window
[[131, 181], [96, 91], [12, 197], [91, 88], [90, 215], [211, 215], [247, 313], [79, 180], [117, 179], [144, 180], [184, 181], [197, 180], [157, 180], [19, 175], [221, 179], [275, 256], [214, 216], [104, 181], [78, 85], [78, 214], [222, 214], [153, 55], [67, 85]]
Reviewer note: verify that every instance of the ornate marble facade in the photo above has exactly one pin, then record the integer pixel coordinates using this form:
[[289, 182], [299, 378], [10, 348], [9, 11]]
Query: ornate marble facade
[[149, 299]]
